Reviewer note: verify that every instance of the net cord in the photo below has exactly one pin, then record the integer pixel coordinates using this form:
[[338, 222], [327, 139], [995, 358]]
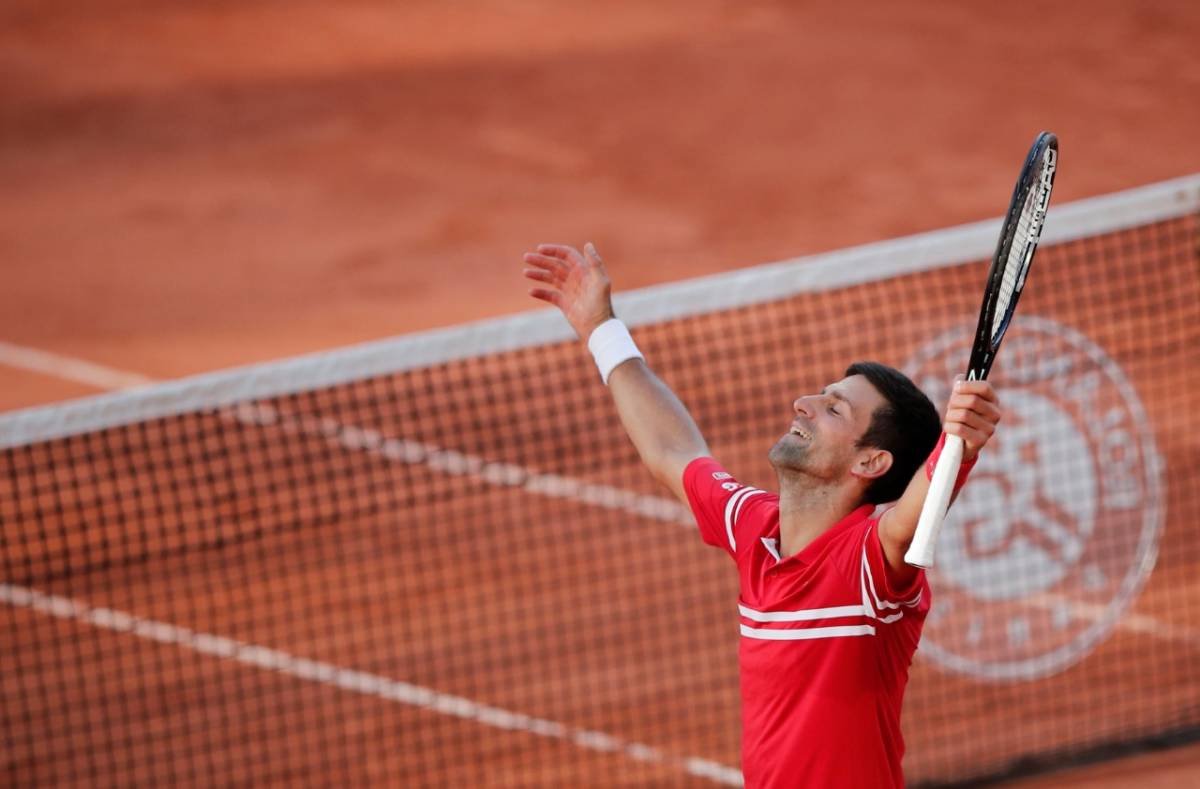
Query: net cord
[[655, 304]]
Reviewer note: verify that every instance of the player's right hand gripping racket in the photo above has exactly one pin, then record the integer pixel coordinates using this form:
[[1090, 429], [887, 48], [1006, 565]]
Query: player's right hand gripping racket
[[1018, 241]]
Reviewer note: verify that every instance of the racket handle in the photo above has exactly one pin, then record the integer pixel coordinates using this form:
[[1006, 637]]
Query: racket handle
[[937, 501]]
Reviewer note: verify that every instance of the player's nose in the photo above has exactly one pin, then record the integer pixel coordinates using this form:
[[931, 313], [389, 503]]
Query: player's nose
[[802, 407]]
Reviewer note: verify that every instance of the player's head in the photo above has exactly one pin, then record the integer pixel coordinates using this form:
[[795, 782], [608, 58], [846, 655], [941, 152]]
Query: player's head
[[907, 426], [872, 429]]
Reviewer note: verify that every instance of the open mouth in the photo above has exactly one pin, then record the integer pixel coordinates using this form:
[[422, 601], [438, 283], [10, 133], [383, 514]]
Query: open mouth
[[801, 432]]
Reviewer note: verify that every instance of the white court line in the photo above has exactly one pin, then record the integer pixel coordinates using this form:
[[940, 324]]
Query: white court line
[[657, 508], [502, 475], [69, 368], [356, 681], [444, 460], [453, 462], [556, 486]]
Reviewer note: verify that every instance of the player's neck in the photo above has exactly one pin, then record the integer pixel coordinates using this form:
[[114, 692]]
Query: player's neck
[[807, 511]]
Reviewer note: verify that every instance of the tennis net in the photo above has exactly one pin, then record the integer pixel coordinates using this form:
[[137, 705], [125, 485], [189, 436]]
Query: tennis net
[[436, 561]]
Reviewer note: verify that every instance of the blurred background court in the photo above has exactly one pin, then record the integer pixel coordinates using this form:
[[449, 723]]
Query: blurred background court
[[190, 187]]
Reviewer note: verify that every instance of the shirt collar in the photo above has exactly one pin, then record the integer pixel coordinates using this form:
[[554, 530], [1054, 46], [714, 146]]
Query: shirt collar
[[814, 548]]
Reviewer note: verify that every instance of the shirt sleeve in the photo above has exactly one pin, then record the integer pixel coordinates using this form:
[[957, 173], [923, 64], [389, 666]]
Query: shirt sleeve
[[881, 600], [717, 501]]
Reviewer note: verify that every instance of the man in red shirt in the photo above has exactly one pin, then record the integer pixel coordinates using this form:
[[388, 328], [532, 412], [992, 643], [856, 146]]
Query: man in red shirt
[[830, 613]]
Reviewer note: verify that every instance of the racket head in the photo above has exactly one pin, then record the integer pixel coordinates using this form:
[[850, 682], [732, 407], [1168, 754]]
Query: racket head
[[1018, 242]]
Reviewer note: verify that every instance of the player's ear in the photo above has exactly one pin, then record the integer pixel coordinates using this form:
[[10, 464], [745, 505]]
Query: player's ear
[[872, 463]]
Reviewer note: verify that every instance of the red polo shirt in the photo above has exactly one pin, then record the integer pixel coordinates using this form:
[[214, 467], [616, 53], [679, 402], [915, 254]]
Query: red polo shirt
[[826, 642]]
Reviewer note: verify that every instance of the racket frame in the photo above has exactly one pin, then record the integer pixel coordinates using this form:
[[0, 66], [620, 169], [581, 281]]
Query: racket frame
[[1037, 173]]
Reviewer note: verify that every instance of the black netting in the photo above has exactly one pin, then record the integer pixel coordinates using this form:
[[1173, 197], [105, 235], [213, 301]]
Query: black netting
[[461, 576]]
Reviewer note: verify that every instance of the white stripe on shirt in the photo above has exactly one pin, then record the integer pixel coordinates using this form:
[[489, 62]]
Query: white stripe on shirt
[[802, 615], [867, 579], [800, 634], [733, 508]]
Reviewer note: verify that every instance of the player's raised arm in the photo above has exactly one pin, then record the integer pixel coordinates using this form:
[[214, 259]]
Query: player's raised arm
[[659, 425], [971, 414]]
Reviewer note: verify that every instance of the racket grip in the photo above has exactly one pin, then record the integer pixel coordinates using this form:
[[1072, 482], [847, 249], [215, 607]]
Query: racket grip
[[937, 501]]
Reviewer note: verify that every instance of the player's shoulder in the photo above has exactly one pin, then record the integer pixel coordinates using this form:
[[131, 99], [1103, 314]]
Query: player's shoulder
[[705, 470], [709, 473], [862, 525], [726, 509], [758, 503]]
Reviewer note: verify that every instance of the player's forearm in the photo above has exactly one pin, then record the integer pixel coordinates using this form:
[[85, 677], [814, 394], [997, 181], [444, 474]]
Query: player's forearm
[[897, 527], [899, 524], [662, 430]]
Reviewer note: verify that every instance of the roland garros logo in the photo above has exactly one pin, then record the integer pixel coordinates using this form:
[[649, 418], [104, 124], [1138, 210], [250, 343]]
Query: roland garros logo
[[1057, 530]]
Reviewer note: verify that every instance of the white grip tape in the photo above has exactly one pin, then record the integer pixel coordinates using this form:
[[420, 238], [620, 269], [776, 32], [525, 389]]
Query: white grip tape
[[937, 501], [610, 345]]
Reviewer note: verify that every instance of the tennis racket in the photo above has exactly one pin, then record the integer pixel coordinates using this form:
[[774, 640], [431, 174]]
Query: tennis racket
[[1018, 241]]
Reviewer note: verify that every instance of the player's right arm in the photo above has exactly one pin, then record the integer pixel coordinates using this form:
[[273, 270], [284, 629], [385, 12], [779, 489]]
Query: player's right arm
[[662, 430]]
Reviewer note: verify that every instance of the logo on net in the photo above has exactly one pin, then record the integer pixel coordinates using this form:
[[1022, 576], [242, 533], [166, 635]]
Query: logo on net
[[1057, 531]]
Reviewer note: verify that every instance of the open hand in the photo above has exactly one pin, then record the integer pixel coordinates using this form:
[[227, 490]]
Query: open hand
[[575, 283]]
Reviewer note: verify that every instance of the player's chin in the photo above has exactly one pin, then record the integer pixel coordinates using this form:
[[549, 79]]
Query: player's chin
[[789, 452]]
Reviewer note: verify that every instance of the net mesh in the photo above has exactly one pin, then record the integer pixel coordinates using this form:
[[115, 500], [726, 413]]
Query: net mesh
[[459, 575]]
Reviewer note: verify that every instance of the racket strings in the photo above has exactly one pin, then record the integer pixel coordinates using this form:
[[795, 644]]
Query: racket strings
[[1019, 255]]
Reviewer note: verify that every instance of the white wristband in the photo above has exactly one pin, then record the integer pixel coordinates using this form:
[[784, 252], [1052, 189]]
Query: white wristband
[[610, 345]]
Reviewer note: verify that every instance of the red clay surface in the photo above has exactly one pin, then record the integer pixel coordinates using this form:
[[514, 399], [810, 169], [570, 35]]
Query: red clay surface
[[189, 187]]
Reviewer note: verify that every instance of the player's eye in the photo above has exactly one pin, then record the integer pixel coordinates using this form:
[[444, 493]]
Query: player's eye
[[833, 410]]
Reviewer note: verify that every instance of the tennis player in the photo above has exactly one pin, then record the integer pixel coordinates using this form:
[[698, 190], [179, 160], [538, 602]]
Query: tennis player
[[830, 614]]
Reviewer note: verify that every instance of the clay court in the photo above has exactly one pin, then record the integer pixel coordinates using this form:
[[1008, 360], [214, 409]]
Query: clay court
[[189, 188]]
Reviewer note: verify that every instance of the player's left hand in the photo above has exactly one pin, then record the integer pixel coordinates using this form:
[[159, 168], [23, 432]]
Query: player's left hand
[[972, 414]]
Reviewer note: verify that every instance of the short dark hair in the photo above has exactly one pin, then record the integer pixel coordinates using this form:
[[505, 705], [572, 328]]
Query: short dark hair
[[908, 426]]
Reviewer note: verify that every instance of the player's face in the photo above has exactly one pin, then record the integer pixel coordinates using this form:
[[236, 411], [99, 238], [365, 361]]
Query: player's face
[[821, 441]]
